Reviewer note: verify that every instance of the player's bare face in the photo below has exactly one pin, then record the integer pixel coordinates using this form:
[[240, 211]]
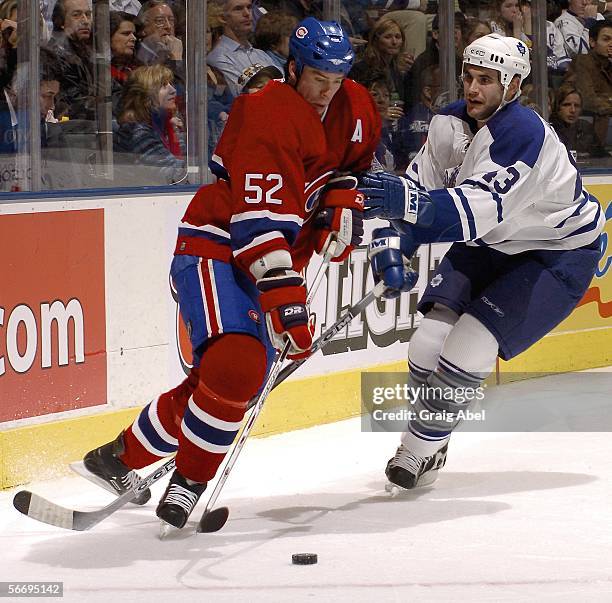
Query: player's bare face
[[318, 87], [482, 90]]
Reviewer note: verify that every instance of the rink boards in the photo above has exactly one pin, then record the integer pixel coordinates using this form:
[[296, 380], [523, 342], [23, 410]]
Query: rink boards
[[89, 330]]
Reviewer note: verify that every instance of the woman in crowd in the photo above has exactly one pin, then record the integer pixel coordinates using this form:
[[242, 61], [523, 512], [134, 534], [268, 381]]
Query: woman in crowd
[[123, 44], [149, 130], [511, 19], [384, 53]]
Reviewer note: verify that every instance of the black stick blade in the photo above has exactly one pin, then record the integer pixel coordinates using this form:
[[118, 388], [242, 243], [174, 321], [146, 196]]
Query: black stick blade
[[214, 520], [21, 501]]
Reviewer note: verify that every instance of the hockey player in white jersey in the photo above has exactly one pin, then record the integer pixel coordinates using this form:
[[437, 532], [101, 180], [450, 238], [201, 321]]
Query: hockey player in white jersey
[[494, 179]]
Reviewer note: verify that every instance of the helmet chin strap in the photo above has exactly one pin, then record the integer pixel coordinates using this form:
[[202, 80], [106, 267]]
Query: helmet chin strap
[[503, 102]]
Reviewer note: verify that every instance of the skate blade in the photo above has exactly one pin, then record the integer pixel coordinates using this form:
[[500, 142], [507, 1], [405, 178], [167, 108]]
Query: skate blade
[[427, 479], [79, 468], [167, 531], [392, 489]]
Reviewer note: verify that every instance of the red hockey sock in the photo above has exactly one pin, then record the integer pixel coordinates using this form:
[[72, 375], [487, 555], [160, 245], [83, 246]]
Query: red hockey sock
[[233, 368], [154, 432]]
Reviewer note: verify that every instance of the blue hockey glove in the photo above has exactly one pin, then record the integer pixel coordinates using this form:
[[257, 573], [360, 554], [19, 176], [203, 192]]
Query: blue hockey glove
[[389, 256], [395, 198]]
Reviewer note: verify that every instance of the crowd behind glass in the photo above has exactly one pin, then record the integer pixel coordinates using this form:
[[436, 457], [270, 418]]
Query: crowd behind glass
[[113, 78]]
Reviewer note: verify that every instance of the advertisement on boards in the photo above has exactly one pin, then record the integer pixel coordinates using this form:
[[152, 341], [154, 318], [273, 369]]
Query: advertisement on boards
[[52, 313]]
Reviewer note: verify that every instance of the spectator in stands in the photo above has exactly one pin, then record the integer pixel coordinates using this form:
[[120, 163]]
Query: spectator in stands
[[574, 25], [557, 60], [414, 126], [591, 74], [272, 34], [71, 41], [8, 66], [476, 29], [511, 19], [50, 129], [148, 129], [233, 53], [576, 134], [219, 97], [410, 15], [255, 77], [377, 84], [8, 45], [431, 56], [156, 33], [384, 53], [123, 45]]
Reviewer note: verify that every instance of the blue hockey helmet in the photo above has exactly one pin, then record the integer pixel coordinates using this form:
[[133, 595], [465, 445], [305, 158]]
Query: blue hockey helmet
[[321, 45]]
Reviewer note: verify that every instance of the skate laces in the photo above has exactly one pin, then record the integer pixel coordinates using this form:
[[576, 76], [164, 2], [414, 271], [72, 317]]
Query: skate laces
[[183, 497], [129, 480], [407, 460]]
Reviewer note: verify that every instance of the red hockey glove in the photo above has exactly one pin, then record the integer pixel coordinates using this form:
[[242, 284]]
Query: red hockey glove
[[340, 218], [283, 299]]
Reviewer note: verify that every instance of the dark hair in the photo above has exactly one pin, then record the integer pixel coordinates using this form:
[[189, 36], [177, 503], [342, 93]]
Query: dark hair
[[117, 17], [58, 17], [50, 68], [374, 76], [460, 21], [271, 28], [597, 27]]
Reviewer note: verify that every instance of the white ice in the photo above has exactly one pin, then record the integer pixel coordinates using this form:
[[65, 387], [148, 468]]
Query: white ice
[[512, 517]]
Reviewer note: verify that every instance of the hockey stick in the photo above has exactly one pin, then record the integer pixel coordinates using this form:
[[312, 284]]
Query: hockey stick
[[46, 511], [214, 520]]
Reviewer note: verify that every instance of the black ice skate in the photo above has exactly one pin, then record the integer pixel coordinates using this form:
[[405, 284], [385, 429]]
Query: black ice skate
[[408, 470], [103, 467], [179, 500]]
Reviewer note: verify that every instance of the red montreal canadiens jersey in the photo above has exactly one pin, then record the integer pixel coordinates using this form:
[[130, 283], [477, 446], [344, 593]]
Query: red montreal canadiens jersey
[[273, 158]]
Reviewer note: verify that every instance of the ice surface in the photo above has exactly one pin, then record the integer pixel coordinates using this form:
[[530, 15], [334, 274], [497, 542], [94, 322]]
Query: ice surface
[[513, 517]]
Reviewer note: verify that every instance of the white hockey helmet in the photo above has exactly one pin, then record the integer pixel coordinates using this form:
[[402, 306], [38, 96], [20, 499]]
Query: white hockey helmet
[[509, 56]]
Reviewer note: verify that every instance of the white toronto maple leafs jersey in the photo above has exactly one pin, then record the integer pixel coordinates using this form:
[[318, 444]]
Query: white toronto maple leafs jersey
[[575, 33], [512, 183]]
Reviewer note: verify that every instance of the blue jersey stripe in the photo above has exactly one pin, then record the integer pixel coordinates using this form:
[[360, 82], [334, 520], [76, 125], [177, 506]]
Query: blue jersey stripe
[[468, 213], [496, 197]]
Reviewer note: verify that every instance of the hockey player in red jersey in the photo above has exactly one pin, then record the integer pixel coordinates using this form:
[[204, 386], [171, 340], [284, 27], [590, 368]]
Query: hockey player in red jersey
[[283, 192]]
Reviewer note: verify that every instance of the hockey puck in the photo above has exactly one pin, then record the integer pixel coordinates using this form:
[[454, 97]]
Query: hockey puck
[[304, 558]]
